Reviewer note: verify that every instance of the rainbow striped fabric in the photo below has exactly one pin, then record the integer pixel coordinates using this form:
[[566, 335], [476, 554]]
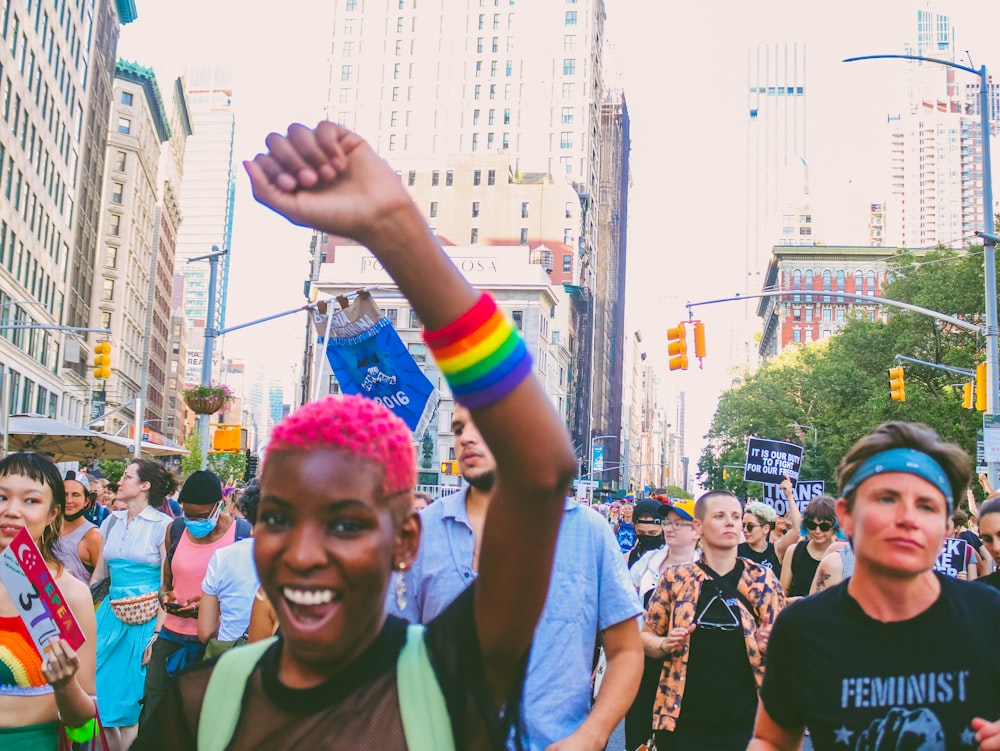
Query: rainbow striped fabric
[[481, 354]]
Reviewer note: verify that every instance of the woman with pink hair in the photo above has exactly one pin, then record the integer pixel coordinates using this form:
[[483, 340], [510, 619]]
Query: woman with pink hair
[[336, 518]]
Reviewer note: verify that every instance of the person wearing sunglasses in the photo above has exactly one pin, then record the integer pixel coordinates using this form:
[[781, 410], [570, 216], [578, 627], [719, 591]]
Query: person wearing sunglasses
[[864, 665], [708, 622], [759, 521], [798, 568]]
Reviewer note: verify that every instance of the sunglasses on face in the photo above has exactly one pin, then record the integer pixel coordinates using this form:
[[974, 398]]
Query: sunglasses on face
[[812, 524], [749, 527]]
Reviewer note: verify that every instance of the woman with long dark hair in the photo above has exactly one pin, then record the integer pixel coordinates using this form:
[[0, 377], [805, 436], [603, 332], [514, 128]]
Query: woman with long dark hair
[[129, 617]]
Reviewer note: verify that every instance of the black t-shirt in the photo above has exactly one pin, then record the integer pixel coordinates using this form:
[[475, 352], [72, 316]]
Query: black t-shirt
[[972, 538], [357, 708], [863, 685], [720, 693], [768, 558], [993, 580]]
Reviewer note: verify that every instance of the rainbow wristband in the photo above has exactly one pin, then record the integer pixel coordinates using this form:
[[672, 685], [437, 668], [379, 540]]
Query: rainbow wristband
[[481, 355]]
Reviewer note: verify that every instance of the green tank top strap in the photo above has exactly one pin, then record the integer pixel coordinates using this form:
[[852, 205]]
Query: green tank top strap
[[424, 712]]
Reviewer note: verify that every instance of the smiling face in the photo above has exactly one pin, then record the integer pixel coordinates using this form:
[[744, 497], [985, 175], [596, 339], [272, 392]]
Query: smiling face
[[24, 503], [720, 527], [76, 497], [897, 523], [821, 531], [475, 460], [989, 530], [327, 542]]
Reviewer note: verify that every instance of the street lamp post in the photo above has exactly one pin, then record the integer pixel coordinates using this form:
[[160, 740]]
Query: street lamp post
[[987, 233], [207, 351]]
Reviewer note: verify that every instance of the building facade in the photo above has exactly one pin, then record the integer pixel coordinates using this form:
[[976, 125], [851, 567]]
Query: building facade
[[208, 196], [426, 82], [812, 309], [55, 97], [127, 258]]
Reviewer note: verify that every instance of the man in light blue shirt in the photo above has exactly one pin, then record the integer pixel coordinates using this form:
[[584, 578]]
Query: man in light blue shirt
[[589, 593]]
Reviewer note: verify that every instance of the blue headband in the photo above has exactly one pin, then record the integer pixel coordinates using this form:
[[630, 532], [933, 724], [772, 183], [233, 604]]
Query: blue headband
[[910, 461]]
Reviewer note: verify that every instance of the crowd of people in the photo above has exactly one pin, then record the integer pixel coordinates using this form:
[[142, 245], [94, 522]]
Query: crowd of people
[[329, 605]]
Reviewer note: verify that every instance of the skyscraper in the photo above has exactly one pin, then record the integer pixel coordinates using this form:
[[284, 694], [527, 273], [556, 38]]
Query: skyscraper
[[426, 81], [207, 199], [777, 158]]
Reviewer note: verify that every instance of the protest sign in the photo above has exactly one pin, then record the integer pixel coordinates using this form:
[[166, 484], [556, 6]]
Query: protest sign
[[805, 491], [37, 599], [951, 560], [772, 461]]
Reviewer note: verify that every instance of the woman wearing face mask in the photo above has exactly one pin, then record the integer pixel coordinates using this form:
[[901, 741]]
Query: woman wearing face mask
[[190, 543], [79, 543]]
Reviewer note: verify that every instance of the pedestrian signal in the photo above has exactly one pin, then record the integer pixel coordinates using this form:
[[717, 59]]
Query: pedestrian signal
[[102, 360], [449, 468], [897, 384], [227, 438], [967, 392], [677, 347]]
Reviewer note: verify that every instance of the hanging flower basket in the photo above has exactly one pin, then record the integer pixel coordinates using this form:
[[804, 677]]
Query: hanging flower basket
[[207, 400]]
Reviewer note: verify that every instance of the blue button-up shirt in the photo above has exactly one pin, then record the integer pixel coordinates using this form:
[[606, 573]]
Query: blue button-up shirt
[[589, 592]]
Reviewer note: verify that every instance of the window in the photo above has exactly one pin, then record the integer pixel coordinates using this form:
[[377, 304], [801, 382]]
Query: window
[[524, 209], [477, 92], [796, 336], [840, 315], [434, 209], [569, 41], [395, 93], [105, 319], [474, 236], [392, 314], [567, 90], [493, 91], [477, 177], [449, 177], [392, 142], [435, 177], [124, 125], [567, 236], [475, 208], [414, 319], [493, 68], [491, 177], [517, 316], [395, 70], [393, 118], [111, 258], [475, 117], [506, 140], [496, 45], [569, 67], [796, 314], [809, 315], [493, 117], [345, 72], [418, 351], [116, 224], [127, 98], [482, 21], [348, 49], [509, 68], [411, 178], [524, 235], [567, 115], [827, 315], [567, 262], [108, 292], [117, 189], [479, 68], [399, 25], [566, 140], [475, 141], [506, 117], [870, 283], [827, 280], [809, 335], [119, 161], [858, 282], [479, 45], [571, 18], [352, 4]]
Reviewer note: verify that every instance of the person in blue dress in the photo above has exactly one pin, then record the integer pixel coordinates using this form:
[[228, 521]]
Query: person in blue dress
[[128, 619]]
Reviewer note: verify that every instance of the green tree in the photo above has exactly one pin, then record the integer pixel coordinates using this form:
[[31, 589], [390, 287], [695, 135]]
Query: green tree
[[113, 469], [193, 461], [228, 466]]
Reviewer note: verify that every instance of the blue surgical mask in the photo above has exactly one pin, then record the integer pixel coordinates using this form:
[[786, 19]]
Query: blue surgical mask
[[203, 527]]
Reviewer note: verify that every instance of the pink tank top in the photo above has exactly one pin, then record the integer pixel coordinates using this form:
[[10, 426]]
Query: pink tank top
[[189, 566]]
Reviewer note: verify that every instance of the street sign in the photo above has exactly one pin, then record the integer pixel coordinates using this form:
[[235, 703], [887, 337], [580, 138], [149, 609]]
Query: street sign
[[597, 460]]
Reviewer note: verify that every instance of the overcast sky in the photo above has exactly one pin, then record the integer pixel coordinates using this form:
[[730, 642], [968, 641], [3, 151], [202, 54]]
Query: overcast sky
[[683, 69]]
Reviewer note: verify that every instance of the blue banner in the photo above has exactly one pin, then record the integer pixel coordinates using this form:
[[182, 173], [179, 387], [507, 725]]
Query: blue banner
[[376, 364]]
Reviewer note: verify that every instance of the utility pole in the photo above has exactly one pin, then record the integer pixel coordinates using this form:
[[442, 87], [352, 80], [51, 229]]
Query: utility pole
[[210, 334]]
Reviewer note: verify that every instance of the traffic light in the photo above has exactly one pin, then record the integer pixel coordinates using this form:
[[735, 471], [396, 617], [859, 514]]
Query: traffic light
[[227, 438], [725, 474], [102, 360], [897, 384], [699, 341], [967, 390], [981, 387], [449, 467], [677, 347], [253, 462]]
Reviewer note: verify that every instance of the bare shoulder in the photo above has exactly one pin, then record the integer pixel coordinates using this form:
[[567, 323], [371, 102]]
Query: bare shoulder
[[75, 591]]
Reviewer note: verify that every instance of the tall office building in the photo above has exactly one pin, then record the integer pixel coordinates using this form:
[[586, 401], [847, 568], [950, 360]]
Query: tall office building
[[426, 81], [56, 67], [207, 200], [777, 158], [935, 148]]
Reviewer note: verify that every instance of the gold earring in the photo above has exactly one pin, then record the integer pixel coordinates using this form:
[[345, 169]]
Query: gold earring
[[401, 588]]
